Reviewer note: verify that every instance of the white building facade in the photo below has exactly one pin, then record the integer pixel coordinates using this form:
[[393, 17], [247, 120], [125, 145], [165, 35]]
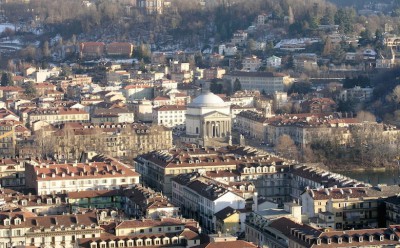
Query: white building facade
[[172, 116]]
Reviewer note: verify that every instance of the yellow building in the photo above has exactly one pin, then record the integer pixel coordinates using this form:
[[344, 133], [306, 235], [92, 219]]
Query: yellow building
[[228, 220]]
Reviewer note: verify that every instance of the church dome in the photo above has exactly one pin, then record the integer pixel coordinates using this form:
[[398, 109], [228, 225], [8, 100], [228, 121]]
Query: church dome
[[208, 99]]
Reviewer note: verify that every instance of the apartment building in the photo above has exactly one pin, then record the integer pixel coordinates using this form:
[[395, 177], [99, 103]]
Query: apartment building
[[159, 167], [143, 202], [286, 233], [244, 98], [267, 82], [201, 198], [48, 178], [20, 228], [125, 140], [142, 110], [392, 206], [345, 208], [239, 38], [270, 174], [172, 116], [57, 115], [257, 229], [309, 177], [165, 232], [12, 173], [124, 49], [303, 129], [251, 63], [10, 92], [91, 49], [252, 123], [171, 98], [114, 115], [7, 139], [41, 205], [213, 73]]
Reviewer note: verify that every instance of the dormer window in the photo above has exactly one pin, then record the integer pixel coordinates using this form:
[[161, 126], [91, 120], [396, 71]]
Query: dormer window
[[39, 201], [392, 236], [24, 202], [350, 239], [339, 240], [360, 238], [49, 201], [381, 237], [7, 222], [318, 241], [329, 240], [371, 238], [17, 221]]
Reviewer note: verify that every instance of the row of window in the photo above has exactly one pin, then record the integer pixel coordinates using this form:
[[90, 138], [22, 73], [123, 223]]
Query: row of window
[[88, 182]]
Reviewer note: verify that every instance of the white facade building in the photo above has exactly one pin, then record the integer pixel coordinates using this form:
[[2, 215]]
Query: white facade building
[[173, 116], [202, 200], [62, 178]]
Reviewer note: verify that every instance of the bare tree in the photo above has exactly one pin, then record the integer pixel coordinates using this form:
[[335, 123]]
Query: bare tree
[[287, 148]]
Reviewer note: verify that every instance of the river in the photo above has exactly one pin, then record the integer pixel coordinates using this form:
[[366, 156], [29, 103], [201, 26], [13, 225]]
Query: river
[[374, 177]]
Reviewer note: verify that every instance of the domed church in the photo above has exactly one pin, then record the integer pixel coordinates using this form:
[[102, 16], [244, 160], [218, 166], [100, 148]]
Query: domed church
[[208, 120]]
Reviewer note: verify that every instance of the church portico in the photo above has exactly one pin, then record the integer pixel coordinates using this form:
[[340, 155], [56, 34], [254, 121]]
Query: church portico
[[216, 129]]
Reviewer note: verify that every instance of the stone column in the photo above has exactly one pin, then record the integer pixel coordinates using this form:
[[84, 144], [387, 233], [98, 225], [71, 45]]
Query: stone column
[[225, 128]]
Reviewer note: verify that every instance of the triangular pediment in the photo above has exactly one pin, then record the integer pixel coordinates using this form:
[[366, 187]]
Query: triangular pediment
[[215, 114]]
